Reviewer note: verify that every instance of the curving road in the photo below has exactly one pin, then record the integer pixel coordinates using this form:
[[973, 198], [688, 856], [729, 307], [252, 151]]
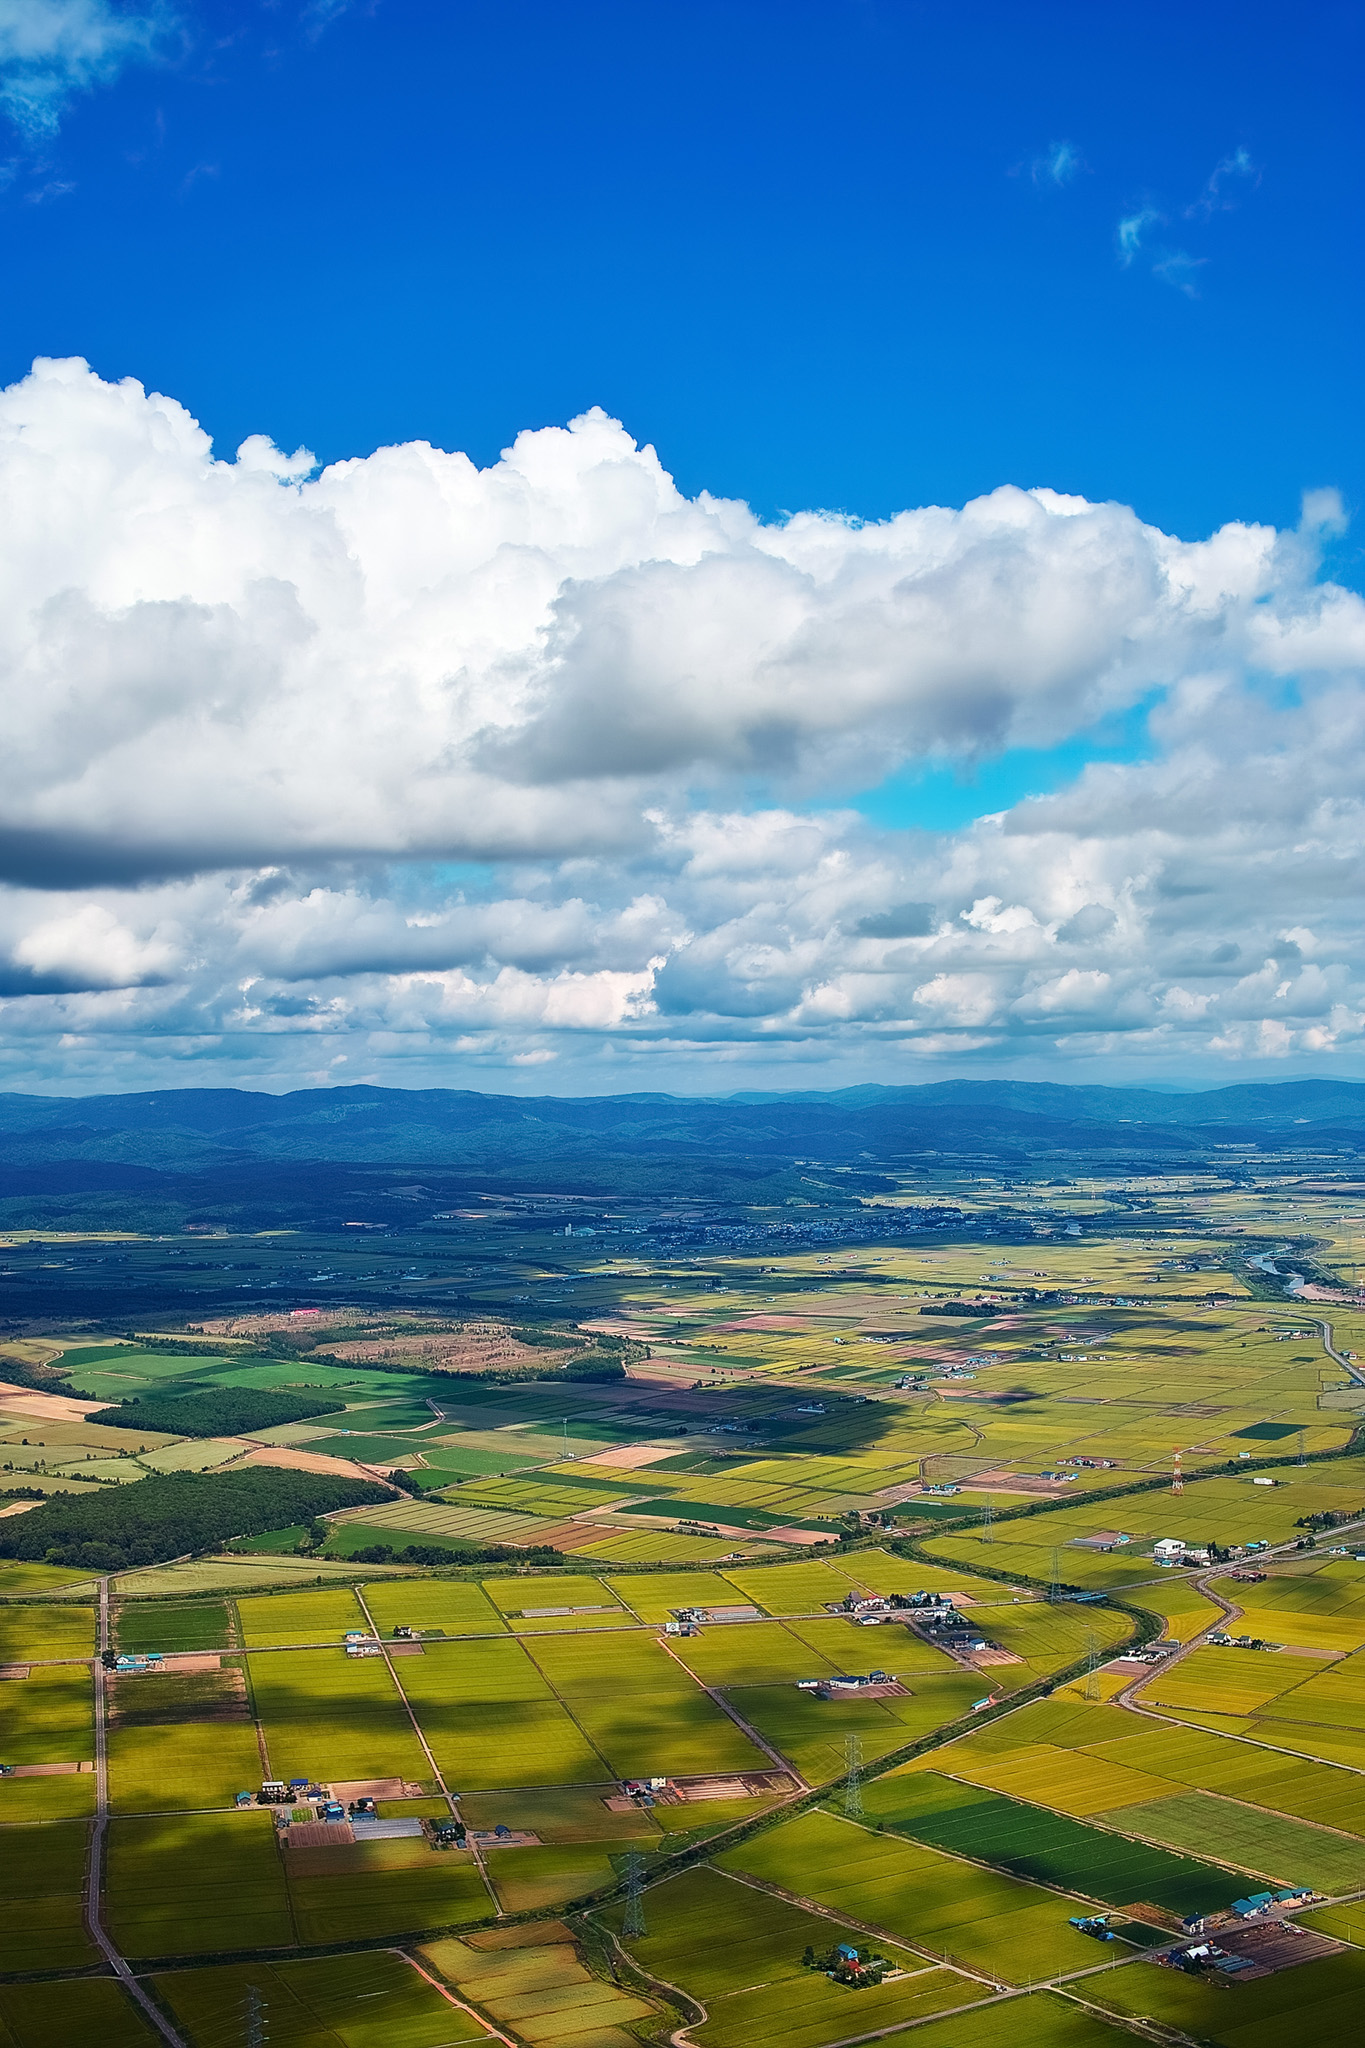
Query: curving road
[[1345, 1363]]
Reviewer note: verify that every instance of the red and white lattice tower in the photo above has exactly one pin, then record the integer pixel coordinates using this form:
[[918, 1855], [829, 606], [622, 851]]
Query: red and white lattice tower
[[1177, 1477]]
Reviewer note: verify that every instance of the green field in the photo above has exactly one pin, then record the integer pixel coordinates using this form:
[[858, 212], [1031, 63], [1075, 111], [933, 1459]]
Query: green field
[[48, 1717], [492, 1718], [1319, 2002], [812, 1732], [739, 1950], [17, 1579], [1285, 1852], [182, 1765], [1045, 2020], [458, 1608], [34, 1633], [381, 1888], [326, 1715], [376, 2000], [1048, 1848], [168, 1626], [323, 1616], [641, 1710], [51, 2015], [653, 1596], [42, 1875], [957, 1912], [192, 1883]]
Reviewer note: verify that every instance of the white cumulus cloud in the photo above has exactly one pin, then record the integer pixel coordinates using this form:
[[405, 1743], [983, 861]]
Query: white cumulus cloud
[[411, 767]]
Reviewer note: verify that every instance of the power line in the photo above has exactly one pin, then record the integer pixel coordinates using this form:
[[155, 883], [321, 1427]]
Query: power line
[[853, 1777]]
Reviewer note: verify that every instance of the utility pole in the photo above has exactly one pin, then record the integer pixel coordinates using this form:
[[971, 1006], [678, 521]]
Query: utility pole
[[853, 1777]]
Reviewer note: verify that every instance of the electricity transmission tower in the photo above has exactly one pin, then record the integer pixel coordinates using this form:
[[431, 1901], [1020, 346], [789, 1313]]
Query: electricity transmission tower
[[634, 1922], [853, 1777], [255, 2032], [1054, 1584], [1092, 1665], [1177, 1477], [987, 1519]]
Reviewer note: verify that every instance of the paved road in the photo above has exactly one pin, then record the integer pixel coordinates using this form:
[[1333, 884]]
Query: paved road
[[1345, 1363], [94, 1876]]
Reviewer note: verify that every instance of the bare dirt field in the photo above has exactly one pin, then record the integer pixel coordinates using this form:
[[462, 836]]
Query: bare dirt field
[[310, 1461]]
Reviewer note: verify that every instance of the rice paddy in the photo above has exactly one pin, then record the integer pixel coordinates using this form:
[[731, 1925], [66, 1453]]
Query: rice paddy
[[538, 1691], [377, 2000]]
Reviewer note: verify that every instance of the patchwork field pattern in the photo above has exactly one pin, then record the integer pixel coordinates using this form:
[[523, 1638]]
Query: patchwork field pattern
[[535, 1698]]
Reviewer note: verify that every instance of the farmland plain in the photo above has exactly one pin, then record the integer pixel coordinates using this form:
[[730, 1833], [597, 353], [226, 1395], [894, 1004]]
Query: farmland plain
[[985, 1410]]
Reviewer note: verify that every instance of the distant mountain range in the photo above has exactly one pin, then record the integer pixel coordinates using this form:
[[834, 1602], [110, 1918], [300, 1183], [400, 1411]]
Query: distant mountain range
[[649, 1143]]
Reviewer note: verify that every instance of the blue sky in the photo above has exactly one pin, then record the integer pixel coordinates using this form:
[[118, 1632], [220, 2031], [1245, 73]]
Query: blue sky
[[847, 254], [850, 257]]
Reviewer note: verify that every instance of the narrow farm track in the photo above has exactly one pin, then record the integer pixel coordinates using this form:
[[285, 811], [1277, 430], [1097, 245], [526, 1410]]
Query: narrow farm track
[[94, 1875], [681, 2036], [998, 1994], [449, 1996], [435, 1768], [745, 1727], [878, 1933]]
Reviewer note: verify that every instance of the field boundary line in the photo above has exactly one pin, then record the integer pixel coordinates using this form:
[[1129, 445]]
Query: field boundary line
[[940, 1958], [417, 1730], [745, 1727], [1084, 1820], [451, 1999], [612, 1777], [261, 1744], [94, 1877], [998, 1869], [1142, 2024]]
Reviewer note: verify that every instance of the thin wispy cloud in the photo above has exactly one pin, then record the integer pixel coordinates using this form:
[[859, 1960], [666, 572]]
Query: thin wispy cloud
[[1132, 231], [51, 51], [1224, 187], [1056, 166], [318, 15], [55, 188], [1178, 268]]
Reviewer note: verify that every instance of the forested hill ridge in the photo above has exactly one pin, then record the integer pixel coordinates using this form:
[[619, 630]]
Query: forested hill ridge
[[165, 1155], [190, 1125]]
